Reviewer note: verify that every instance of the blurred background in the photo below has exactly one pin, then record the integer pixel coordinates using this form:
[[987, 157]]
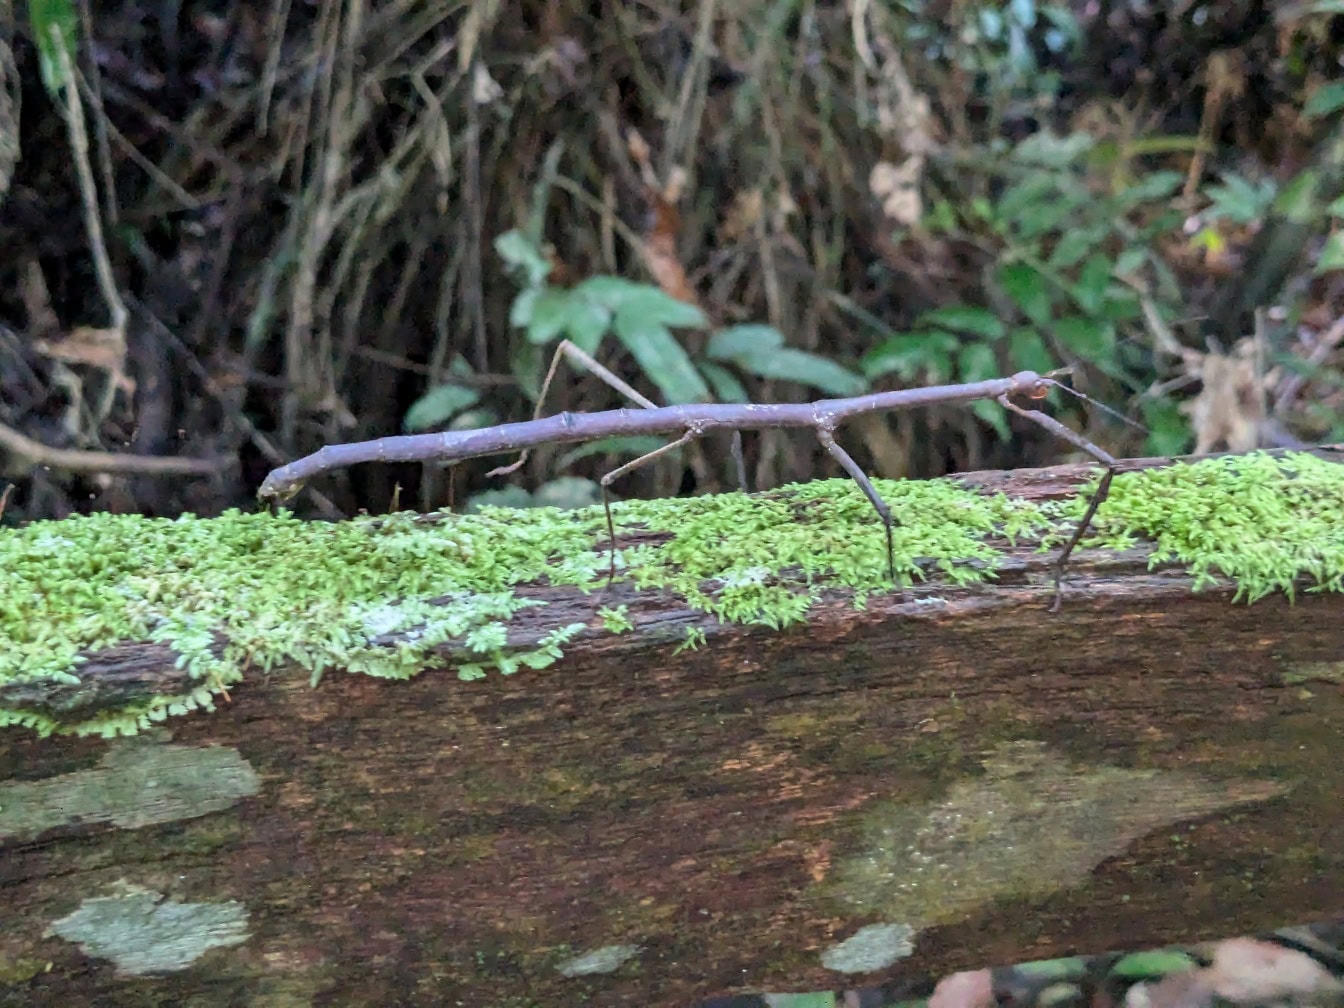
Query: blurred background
[[232, 233]]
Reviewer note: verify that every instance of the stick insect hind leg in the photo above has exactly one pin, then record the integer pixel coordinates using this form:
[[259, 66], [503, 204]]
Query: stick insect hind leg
[[1103, 487]]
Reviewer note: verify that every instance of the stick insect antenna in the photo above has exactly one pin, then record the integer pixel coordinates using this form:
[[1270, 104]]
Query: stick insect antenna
[[1115, 413]]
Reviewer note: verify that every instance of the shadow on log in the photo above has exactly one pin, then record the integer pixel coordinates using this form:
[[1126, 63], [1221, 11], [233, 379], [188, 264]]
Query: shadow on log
[[945, 778]]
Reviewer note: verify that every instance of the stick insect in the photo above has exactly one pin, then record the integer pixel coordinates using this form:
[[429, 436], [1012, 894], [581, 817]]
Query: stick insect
[[694, 421]]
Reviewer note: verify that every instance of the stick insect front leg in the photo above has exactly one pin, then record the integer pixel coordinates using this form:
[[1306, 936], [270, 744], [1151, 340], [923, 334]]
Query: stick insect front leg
[[585, 360], [1103, 487]]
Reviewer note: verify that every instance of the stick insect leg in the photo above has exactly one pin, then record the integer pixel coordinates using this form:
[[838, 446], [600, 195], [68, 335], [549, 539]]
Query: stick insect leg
[[857, 475], [1103, 487], [620, 471], [739, 462], [586, 361]]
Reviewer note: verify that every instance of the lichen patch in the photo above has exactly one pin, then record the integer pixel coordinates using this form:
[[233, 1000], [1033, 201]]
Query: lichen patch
[[132, 786], [143, 933], [1031, 825]]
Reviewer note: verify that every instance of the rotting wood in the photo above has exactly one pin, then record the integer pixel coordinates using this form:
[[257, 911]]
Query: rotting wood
[[1163, 766]]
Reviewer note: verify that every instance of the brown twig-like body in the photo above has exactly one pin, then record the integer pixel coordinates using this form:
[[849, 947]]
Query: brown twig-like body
[[693, 421]]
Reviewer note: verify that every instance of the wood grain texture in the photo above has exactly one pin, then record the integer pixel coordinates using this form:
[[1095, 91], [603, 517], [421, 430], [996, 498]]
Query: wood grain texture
[[1150, 765]]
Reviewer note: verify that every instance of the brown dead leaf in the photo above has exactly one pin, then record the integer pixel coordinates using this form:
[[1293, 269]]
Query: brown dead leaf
[[663, 223], [100, 348], [42, 320], [1230, 409], [897, 187], [742, 216]]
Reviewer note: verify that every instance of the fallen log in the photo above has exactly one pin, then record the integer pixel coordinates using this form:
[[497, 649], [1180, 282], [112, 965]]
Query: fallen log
[[827, 795]]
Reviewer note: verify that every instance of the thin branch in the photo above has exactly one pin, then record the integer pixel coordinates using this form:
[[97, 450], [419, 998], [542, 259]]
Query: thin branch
[[72, 460], [79, 143]]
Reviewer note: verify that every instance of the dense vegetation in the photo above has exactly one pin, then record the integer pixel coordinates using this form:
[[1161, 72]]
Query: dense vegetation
[[265, 227]]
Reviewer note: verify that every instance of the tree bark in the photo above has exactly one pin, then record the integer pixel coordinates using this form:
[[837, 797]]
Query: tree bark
[[936, 782]]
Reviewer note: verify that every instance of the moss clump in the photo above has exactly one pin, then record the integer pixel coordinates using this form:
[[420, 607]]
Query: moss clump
[[1266, 522], [379, 596]]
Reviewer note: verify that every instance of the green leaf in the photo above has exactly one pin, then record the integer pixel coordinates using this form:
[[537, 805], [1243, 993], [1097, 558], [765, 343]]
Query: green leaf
[[1075, 243], [727, 389], [1028, 290], [567, 493], [439, 404], [1332, 256], [1238, 199], [1151, 188], [912, 355], [1046, 148], [527, 362], [787, 364], [631, 446], [1336, 209], [474, 418], [659, 355], [1152, 964], [1092, 283], [587, 322], [1130, 260], [1168, 428], [514, 248], [607, 290], [820, 999], [735, 341], [992, 414], [1048, 214], [1028, 352], [1088, 338], [1037, 189], [1068, 968], [662, 309], [965, 319], [1298, 200], [520, 312], [550, 314], [1325, 99], [976, 362], [50, 20], [509, 496]]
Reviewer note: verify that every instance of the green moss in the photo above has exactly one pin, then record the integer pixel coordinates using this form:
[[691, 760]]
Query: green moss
[[1266, 522], [254, 592], [19, 971]]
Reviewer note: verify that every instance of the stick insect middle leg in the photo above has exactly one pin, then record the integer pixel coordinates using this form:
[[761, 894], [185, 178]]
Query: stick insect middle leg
[[620, 471], [566, 349], [866, 485], [1103, 487]]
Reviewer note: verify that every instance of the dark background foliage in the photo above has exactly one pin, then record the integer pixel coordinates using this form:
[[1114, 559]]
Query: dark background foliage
[[333, 220]]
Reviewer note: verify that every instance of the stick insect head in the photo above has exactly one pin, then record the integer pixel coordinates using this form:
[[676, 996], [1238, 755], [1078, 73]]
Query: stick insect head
[[1033, 385]]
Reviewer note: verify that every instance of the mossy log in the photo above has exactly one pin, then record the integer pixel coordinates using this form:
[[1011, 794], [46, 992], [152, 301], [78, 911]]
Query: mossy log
[[944, 778]]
